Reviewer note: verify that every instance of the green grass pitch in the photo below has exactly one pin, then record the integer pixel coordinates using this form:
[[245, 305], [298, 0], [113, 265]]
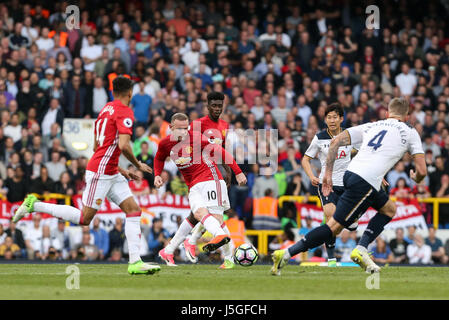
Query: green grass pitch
[[206, 282]]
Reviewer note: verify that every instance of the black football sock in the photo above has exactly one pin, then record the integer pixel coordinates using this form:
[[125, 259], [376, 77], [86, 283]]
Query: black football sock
[[330, 246], [374, 229], [312, 239]]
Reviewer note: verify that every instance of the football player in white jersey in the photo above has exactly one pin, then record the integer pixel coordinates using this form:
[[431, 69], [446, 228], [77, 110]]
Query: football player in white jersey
[[383, 143], [334, 116]]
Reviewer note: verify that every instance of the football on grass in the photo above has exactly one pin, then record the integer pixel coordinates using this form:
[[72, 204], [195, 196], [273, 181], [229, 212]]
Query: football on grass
[[246, 255]]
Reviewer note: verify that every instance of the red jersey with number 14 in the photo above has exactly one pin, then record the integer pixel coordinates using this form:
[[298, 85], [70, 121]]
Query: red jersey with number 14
[[115, 118]]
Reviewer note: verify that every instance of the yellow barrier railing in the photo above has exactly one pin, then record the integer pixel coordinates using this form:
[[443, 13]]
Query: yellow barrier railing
[[55, 196], [262, 238], [49, 196], [434, 201]]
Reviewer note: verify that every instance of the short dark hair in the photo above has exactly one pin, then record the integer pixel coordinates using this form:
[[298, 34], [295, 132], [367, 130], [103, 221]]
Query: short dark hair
[[214, 95], [121, 85], [334, 107]]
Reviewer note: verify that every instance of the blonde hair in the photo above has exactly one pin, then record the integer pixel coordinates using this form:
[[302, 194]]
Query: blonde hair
[[398, 106], [179, 116]]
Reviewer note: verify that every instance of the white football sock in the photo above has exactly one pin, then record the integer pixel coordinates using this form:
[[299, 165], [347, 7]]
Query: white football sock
[[228, 249], [133, 234], [179, 237], [197, 233], [65, 212], [212, 225]]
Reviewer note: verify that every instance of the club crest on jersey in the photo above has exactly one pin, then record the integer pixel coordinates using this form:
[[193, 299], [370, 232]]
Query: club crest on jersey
[[188, 149], [128, 122], [223, 132], [98, 202], [215, 140]]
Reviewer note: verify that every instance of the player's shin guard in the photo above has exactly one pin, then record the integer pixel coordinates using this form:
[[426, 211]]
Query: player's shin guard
[[67, 213], [374, 229], [313, 239], [179, 237], [133, 234], [330, 247], [212, 225], [228, 249]]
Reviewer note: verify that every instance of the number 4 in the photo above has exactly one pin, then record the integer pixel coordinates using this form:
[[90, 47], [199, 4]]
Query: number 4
[[380, 136]]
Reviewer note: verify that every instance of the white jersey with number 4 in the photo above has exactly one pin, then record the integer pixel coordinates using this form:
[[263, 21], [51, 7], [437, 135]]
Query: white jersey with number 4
[[383, 143], [320, 147]]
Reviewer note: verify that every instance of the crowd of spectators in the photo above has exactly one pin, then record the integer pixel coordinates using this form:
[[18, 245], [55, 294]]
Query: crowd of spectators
[[280, 63]]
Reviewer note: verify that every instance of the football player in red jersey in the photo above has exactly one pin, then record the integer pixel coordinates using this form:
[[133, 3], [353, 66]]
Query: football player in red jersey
[[104, 178], [196, 158], [215, 130]]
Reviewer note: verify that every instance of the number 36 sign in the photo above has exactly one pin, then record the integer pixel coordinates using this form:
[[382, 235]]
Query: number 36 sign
[[79, 137]]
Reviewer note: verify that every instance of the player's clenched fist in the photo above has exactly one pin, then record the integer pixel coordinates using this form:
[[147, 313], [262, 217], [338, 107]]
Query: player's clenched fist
[[158, 182], [241, 179]]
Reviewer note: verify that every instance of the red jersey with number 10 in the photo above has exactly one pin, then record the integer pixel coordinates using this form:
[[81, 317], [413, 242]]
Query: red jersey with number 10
[[115, 118]]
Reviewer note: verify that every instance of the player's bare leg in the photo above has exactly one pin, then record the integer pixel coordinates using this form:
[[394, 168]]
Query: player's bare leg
[[213, 225], [133, 234], [67, 213], [167, 254]]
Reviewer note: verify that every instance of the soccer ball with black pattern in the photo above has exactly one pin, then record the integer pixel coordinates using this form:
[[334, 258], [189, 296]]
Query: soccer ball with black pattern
[[246, 255]]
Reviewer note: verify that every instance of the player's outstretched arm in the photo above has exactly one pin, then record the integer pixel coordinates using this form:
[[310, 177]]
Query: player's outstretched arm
[[228, 159], [125, 147], [159, 162], [421, 168], [128, 174]]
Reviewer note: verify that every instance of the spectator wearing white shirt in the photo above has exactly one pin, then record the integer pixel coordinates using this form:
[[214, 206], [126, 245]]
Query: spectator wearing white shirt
[[53, 115], [91, 53], [280, 112], [286, 41], [55, 167], [406, 81], [258, 109], [28, 31], [195, 37], [44, 42], [32, 235], [99, 96], [11, 84], [192, 57], [419, 252], [269, 37], [304, 111], [14, 129], [46, 242], [152, 87]]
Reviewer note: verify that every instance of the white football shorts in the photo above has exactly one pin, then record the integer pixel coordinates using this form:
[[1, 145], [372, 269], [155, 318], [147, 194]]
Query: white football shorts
[[99, 186], [212, 195]]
